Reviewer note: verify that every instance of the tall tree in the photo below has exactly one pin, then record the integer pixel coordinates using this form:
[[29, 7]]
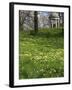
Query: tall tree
[[62, 22], [36, 21], [61, 16]]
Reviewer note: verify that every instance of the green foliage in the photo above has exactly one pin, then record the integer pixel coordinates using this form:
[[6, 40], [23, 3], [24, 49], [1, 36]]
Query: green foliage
[[41, 55]]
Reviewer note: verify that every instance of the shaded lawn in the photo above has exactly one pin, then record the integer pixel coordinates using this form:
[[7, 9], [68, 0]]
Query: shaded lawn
[[41, 55]]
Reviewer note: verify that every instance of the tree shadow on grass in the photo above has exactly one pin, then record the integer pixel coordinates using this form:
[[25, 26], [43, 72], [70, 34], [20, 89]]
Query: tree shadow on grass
[[48, 34]]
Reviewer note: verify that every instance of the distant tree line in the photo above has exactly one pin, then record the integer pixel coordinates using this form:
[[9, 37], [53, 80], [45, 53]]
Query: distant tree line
[[33, 20]]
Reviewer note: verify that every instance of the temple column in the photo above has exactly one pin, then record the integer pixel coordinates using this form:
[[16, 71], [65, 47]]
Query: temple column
[[56, 23]]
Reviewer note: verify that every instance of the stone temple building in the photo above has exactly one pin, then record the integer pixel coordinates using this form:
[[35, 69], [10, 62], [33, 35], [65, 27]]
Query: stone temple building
[[54, 20]]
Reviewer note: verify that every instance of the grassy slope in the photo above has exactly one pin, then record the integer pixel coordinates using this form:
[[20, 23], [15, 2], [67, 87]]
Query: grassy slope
[[41, 55]]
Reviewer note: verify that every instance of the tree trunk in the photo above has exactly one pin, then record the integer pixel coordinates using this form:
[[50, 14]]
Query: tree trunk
[[36, 21], [62, 23]]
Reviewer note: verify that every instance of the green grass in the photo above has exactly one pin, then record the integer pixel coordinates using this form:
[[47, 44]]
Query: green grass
[[41, 55]]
